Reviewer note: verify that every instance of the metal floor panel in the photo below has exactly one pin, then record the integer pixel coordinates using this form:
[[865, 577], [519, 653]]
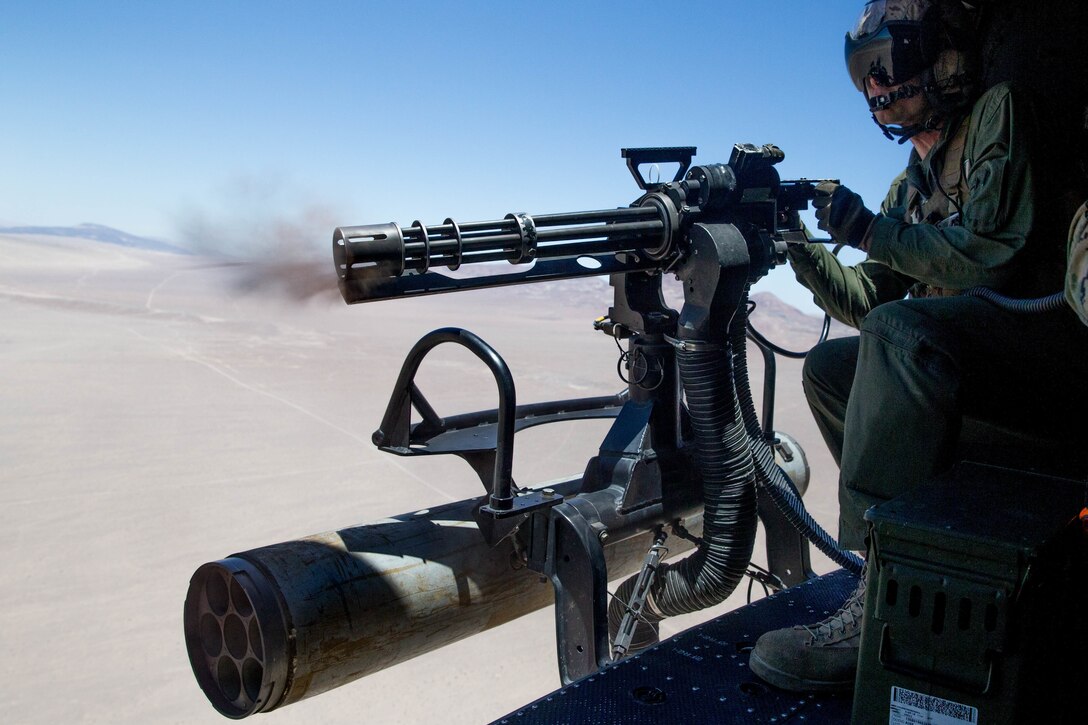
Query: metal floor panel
[[701, 675]]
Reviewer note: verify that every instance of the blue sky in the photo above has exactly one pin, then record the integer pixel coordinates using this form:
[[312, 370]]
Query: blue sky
[[218, 123]]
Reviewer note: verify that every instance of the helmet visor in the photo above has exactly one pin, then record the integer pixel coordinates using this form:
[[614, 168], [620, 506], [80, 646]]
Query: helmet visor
[[892, 55]]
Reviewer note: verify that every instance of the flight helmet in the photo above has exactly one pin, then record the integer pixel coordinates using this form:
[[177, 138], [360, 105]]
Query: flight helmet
[[916, 45]]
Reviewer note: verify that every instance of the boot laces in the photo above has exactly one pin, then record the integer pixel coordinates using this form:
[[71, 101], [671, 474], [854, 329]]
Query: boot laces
[[848, 616]]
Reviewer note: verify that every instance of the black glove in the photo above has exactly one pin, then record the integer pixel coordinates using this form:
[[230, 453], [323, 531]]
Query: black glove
[[842, 214]]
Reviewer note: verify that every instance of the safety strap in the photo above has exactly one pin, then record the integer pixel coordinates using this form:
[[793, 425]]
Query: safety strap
[[944, 206]]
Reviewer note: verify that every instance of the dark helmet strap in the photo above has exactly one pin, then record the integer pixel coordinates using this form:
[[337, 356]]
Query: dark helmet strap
[[879, 103], [902, 134]]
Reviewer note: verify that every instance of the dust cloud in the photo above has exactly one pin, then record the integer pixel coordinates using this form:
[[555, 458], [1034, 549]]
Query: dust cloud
[[277, 243]]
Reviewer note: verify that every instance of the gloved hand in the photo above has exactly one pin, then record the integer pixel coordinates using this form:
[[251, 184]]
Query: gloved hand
[[842, 214]]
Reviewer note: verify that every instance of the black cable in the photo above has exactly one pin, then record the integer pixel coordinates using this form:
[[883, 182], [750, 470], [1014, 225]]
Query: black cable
[[825, 328], [762, 341], [1010, 304], [774, 481]]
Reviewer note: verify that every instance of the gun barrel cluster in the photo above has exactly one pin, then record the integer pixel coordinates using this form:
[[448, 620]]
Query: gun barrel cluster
[[388, 250]]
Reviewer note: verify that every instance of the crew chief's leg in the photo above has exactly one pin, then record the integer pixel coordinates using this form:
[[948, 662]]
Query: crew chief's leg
[[924, 364], [827, 378]]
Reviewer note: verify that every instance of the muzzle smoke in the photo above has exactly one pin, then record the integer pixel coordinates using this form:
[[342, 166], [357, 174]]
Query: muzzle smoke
[[277, 245]]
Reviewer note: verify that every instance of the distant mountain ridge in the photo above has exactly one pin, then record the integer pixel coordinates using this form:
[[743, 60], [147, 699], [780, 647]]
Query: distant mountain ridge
[[100, 233]]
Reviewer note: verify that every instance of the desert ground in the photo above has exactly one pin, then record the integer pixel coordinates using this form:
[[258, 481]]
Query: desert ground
[[164, 410]]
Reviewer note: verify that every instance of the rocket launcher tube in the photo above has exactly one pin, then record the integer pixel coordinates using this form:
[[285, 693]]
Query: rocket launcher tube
[[271, 626]]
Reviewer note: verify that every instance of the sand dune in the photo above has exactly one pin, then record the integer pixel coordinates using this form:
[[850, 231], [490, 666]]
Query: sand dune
[[163, 410]]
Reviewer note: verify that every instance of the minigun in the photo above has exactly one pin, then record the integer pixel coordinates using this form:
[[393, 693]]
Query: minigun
[[685, 460], [381, 261]]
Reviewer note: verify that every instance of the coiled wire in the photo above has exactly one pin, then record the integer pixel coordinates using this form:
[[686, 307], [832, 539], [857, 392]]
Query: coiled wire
[[776, 483], [732, 457], [1036, 305]]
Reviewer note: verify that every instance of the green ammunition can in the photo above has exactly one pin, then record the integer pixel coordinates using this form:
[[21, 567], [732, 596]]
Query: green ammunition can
[[977, 603]]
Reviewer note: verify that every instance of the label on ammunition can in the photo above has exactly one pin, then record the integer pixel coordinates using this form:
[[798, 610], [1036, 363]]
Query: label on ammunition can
[[914, 708]]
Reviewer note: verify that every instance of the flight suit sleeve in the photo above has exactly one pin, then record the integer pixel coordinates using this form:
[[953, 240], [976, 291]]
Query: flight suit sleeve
[[996, 218], [1076, 276], [848, 293]]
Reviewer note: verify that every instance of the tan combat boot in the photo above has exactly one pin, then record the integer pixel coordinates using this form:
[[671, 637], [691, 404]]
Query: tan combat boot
[[821, 657]]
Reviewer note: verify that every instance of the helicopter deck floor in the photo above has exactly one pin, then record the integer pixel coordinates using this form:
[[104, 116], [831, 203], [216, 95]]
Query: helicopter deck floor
[[701, 675]]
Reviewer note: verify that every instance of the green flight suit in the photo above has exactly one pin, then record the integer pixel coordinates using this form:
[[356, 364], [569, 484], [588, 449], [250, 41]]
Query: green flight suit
[[941, 376]]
